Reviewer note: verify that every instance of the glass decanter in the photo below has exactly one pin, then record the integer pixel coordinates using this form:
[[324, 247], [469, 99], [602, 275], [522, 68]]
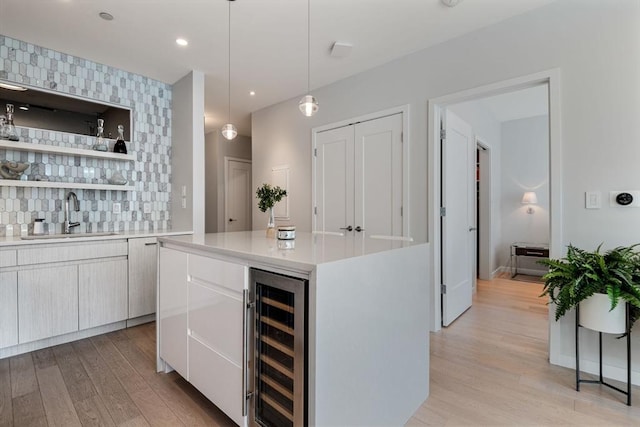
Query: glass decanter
[[9, 129], [101, 144], [120, 146]]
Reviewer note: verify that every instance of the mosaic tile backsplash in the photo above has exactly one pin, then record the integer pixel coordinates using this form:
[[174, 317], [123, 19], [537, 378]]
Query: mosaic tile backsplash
[[150, 173]]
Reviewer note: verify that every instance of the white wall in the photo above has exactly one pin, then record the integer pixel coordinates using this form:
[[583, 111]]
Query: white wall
[[187, 153], [487, 128], [596, 46], [525, 167], [216, 149]]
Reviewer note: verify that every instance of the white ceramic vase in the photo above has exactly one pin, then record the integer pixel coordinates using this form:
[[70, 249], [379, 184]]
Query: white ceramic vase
[[595, 314]]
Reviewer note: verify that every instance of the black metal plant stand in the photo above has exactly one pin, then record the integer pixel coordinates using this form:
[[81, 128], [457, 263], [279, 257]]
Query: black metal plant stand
[[601, 380]]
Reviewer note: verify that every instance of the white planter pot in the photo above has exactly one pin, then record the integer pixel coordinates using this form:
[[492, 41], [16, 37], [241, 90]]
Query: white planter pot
[[595, 315]]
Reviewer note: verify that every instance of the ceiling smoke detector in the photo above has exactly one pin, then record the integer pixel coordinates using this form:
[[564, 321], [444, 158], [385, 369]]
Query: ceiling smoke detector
[[450, 3]]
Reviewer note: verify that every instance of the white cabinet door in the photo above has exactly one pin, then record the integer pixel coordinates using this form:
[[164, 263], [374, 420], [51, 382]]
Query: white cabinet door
[[47, 302], [358, 177], [102, 293], [143, 258], [8, 309], [172, 309]]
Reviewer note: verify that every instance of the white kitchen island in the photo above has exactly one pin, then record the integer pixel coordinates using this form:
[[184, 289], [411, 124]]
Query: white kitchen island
[[367, 335]]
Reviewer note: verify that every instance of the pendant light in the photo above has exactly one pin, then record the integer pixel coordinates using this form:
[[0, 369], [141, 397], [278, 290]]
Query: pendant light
[[229, 131], [308, 104]]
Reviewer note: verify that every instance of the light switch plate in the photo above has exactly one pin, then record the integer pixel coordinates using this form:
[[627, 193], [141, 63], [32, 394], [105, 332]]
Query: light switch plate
[[592, 200], [117, 208]]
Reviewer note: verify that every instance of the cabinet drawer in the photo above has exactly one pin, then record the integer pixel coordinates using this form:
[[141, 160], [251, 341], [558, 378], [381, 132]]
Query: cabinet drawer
[[215, 318], [8, 258], [221, 273], [538, 252], [217, 378], [71, 251]]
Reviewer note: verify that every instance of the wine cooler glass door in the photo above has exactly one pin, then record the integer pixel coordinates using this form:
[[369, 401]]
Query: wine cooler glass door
[[279, 350]]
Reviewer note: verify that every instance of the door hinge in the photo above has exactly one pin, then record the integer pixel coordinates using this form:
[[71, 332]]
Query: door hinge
[[315, 210], [401, 136], [443, 134], [401, 211], [443, 211], [443, 288], [315, 152]]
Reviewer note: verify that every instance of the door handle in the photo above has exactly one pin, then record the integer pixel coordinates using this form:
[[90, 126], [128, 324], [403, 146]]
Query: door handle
[[473, 228], [348, 228], [231, 219], [358, 229]]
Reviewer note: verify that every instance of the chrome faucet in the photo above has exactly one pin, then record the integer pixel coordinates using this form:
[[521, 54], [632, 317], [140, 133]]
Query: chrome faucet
[[76, 207]]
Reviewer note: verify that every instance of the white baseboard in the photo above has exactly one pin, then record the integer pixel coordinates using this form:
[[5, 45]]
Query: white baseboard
[[591, 367]]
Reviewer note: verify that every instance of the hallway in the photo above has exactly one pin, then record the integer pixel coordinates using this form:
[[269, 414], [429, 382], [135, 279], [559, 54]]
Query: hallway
[[491, 367]]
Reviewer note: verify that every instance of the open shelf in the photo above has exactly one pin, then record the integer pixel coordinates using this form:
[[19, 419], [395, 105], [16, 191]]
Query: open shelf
[[70, 185], [41, 148]]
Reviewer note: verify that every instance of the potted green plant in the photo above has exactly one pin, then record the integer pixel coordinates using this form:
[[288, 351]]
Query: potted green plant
[[599, 282], [269, 196]]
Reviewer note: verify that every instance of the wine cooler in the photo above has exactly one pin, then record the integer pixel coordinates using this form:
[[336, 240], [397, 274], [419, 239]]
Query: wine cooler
[[277, 378]]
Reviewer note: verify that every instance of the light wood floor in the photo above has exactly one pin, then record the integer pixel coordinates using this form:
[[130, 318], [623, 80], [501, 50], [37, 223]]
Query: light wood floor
[[109, 380], [491, 368]]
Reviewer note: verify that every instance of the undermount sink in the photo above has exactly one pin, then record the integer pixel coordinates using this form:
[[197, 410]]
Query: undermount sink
[[68, 236]]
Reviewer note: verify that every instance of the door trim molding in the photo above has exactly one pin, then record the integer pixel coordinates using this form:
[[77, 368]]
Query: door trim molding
[[550, 77], [406, 138], [227, 159]]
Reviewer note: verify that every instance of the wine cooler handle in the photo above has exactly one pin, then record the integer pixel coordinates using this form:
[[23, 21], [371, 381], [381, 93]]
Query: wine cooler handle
[[245, 350]]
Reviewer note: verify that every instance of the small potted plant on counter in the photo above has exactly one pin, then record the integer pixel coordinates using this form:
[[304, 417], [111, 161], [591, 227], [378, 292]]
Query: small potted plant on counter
[[269, 196], [600, 282]]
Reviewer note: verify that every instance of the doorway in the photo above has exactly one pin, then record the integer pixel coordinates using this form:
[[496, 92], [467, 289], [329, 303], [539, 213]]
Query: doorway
[[437, 107], [237, 194]]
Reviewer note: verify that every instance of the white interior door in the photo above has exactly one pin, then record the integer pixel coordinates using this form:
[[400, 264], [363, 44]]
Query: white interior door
[[378, 176], [334, 179], [457, 222], [238, 193]]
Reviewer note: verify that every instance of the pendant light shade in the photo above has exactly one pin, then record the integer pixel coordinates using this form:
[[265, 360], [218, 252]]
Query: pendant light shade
[[308, 104], [229, 131]]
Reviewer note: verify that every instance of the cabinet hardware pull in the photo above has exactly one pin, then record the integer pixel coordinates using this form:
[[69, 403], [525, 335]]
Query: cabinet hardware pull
[[232, 219], [151, 244], [473, 228], [359, 229], [348, 228]]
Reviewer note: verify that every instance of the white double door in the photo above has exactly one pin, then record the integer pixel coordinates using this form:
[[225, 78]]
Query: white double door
[[358, 178]]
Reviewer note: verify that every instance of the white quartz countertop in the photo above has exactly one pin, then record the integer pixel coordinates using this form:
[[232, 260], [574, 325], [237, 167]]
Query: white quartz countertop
[[61, 238], [304, 253]]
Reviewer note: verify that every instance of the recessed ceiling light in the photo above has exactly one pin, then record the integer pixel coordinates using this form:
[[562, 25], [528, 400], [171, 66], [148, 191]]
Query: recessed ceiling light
[[106, 16], [252, 93], [182, 42], [12, 87], [24, 107]]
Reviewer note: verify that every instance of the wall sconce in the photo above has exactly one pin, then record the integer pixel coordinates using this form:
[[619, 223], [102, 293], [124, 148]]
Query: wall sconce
[[529, 198]]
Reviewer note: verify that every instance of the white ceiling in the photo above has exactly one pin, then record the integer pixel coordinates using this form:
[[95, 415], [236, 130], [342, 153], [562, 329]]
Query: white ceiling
[[269, 43]]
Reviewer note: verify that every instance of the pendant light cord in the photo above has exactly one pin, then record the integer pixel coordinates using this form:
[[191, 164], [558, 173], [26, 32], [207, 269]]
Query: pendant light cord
[[229, 69], [308, 46]]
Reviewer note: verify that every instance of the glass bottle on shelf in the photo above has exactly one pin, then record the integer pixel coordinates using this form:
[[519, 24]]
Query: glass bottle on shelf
[[101, 144], [120, 146], [9, 129]]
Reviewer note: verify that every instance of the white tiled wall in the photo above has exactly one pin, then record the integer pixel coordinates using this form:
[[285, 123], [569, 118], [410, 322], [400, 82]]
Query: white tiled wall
[[150, 173]]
